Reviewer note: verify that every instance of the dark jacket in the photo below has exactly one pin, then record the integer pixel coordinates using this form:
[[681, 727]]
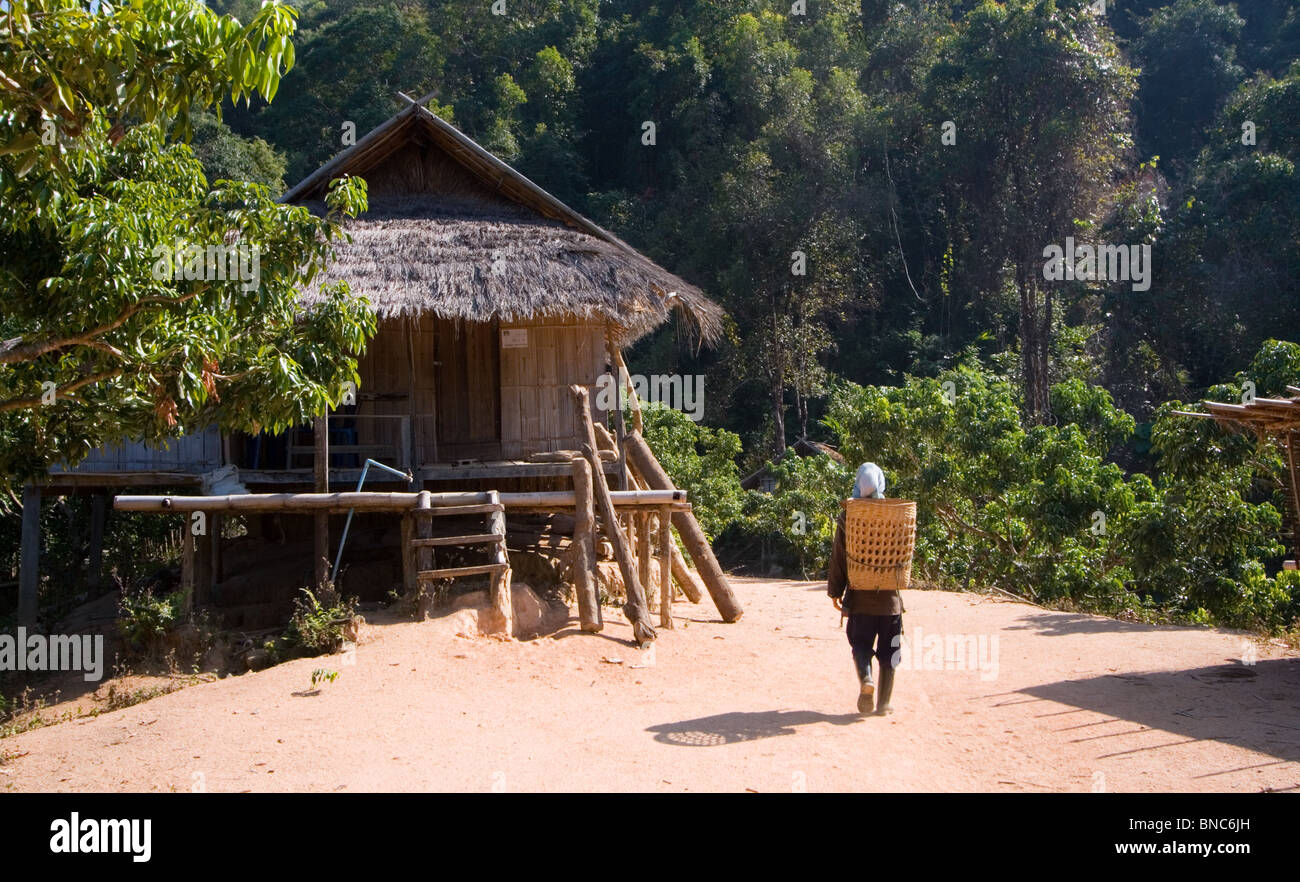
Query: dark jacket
[[872, 603]]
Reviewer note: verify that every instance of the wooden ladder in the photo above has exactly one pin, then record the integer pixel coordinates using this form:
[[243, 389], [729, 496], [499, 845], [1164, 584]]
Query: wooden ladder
[[420, 546]]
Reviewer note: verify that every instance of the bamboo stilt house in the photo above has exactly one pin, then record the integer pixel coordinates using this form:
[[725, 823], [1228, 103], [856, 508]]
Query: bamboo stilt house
[[499, 310], [493, 297]]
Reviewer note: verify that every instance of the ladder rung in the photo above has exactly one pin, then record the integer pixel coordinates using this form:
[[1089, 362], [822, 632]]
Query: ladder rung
[[454, 572], [482, 508], [476, 539]]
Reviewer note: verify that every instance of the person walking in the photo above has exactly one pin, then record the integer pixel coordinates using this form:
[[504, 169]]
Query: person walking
[[875, 618]]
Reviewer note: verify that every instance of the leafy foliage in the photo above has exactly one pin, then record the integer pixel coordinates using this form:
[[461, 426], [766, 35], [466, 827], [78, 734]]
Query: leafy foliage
[[101, 340], [144, 619], [1040, 511], [318, 621], [701, 461]]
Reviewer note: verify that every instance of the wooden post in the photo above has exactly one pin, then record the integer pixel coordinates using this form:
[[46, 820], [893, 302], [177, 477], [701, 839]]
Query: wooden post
[[643, 550], [321, 548], [502, 602], [410, 584], [215, 525], [643, 460], [412, 424], [187, 568], [29, 561], [665, 568], [625, 382], [1291, 441], [424, 556], [584, 554], [620, 430], [202, 563], [95, 555], [638, 615]]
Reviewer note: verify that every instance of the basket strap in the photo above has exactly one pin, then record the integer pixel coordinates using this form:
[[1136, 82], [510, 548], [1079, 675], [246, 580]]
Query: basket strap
[[872, 566]]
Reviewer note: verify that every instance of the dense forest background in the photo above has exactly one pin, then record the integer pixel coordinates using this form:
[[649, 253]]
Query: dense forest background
[[868, 187], [822, 133]]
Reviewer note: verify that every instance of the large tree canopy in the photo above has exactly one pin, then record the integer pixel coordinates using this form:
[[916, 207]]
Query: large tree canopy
[[137, 300]]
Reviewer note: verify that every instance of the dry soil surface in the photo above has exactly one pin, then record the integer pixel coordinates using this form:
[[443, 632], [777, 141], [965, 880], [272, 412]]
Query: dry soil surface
[[1011, 698]]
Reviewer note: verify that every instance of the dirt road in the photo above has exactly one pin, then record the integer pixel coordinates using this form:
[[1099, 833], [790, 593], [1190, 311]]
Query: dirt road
[[1044, 701]]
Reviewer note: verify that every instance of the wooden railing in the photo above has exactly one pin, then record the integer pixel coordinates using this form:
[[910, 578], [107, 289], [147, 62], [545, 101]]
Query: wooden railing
[[395, 449]]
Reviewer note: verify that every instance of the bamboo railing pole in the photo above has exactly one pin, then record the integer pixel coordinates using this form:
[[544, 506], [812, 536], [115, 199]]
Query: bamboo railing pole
[[583, 566], [665, 568], [635, 607]]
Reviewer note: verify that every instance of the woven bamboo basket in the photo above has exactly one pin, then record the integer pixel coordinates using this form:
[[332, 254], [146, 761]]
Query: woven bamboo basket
[[879, 538]]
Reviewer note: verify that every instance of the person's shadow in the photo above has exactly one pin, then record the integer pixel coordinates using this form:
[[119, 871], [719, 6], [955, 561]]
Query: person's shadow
[[742, 726]]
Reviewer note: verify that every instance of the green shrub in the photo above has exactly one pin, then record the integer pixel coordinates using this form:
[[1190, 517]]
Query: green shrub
[[1040, 510], [318, 621], [699, 460], [144, 619], [792, 527]]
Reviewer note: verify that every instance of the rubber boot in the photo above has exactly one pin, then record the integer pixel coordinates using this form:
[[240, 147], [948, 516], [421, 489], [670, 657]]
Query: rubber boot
[[867, 693], [886, 692]]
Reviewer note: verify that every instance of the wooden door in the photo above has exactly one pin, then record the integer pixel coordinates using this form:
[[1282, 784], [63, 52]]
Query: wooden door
[[467, 371]]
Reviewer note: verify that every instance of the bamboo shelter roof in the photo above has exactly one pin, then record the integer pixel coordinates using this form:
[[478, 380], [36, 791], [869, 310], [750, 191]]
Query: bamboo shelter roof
[[506, 250], [1273, 415]]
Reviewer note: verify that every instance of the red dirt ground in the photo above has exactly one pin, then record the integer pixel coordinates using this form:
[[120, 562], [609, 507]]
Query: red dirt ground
[[1077, 703]]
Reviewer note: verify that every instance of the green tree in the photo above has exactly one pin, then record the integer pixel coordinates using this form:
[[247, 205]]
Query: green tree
[[228, 156], [1188, 53], [102, 336], [1039, 94]]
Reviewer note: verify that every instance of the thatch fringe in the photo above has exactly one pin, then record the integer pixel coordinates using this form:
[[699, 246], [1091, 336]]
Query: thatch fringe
[[479, 259], [472, 261]]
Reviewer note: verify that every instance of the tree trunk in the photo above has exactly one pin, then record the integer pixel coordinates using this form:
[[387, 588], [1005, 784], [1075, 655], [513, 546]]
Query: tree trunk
[[29, 563], [776, 390], [777, 393], [1035, 342]]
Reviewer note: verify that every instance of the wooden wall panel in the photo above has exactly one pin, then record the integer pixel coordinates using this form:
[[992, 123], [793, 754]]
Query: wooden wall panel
[[467, 379], [198, 452], [560, 352], [426, 399]]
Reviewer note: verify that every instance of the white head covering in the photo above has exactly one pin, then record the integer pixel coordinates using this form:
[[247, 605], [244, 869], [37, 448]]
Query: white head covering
[[870, 482]]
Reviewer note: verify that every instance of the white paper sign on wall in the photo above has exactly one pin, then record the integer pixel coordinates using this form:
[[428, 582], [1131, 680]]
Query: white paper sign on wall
[[514, 338]]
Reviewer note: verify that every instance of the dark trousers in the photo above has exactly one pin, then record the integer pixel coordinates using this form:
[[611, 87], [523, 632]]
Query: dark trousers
[[880, 636]]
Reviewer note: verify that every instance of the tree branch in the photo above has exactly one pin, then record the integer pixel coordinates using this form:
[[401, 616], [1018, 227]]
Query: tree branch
[[63, 391], [14, 350]]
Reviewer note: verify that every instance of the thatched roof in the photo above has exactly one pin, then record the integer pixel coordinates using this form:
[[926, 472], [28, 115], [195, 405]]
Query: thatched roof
[[455, 232]]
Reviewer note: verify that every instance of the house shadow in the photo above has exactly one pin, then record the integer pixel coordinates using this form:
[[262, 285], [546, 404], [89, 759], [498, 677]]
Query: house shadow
[[1254, 706], [731, 728]]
